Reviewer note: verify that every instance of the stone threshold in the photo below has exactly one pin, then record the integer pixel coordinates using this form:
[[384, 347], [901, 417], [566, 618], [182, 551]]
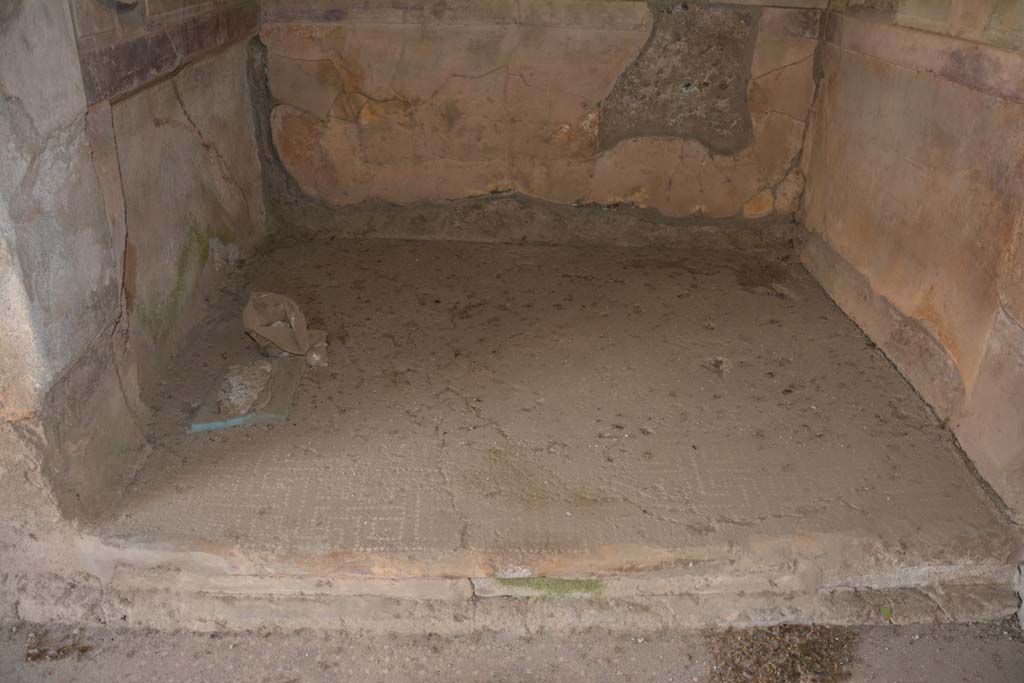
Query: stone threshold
[[199, 590]]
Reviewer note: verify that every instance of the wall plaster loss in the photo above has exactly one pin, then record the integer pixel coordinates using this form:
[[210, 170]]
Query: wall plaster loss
[[147, 150]]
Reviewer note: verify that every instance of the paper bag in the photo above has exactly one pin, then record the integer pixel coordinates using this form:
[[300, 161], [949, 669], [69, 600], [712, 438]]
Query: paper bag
[[276, 323]]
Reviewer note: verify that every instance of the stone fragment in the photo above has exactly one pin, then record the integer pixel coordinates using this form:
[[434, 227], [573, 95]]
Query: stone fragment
[[245, 388], [787, 196], [689, 81], [760, 205]]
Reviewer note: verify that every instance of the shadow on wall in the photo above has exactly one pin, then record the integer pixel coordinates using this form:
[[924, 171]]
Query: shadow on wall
[[192, 192], [113, 220]]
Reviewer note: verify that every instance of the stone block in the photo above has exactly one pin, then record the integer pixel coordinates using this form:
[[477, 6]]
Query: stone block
[[38, 63], [93, 446], [690, 80], [191, 175]]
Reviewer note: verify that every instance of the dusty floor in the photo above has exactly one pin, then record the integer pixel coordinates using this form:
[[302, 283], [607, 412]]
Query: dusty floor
[[993, 653], [563, 408]]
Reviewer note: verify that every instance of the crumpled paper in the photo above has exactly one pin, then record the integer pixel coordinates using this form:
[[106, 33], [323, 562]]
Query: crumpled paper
[[276, 323]]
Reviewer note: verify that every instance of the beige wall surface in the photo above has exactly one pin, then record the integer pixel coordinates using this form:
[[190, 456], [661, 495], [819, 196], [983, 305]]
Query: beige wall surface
[[401, 105], [916, 182]]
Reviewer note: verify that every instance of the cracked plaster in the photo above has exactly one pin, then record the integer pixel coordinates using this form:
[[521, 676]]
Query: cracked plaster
[[358, 113]]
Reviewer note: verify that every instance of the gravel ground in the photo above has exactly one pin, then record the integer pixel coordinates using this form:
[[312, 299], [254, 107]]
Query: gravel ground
[[937, 654], [782, 653]]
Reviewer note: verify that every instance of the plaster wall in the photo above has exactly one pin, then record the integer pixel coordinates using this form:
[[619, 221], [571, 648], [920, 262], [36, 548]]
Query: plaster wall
[[915, 195], [687, 108]]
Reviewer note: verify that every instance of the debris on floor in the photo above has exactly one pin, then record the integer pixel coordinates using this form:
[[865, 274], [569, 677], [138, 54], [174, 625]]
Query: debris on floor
[[782, 654], [245, 387], [277, 325], [46, 647], [719, 365], [259, 393]]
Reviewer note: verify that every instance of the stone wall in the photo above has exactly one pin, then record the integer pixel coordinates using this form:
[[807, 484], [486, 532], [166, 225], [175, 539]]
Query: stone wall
[[915, 194], [688, 108], [170, 77], [167, 169], [192, 192], [61, 398]]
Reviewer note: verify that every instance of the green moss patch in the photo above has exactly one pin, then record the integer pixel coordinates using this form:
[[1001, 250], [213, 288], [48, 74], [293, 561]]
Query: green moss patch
[[553, 586]]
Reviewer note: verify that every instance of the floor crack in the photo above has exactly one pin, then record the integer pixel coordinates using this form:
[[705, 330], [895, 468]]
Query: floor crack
[[453, 501]]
